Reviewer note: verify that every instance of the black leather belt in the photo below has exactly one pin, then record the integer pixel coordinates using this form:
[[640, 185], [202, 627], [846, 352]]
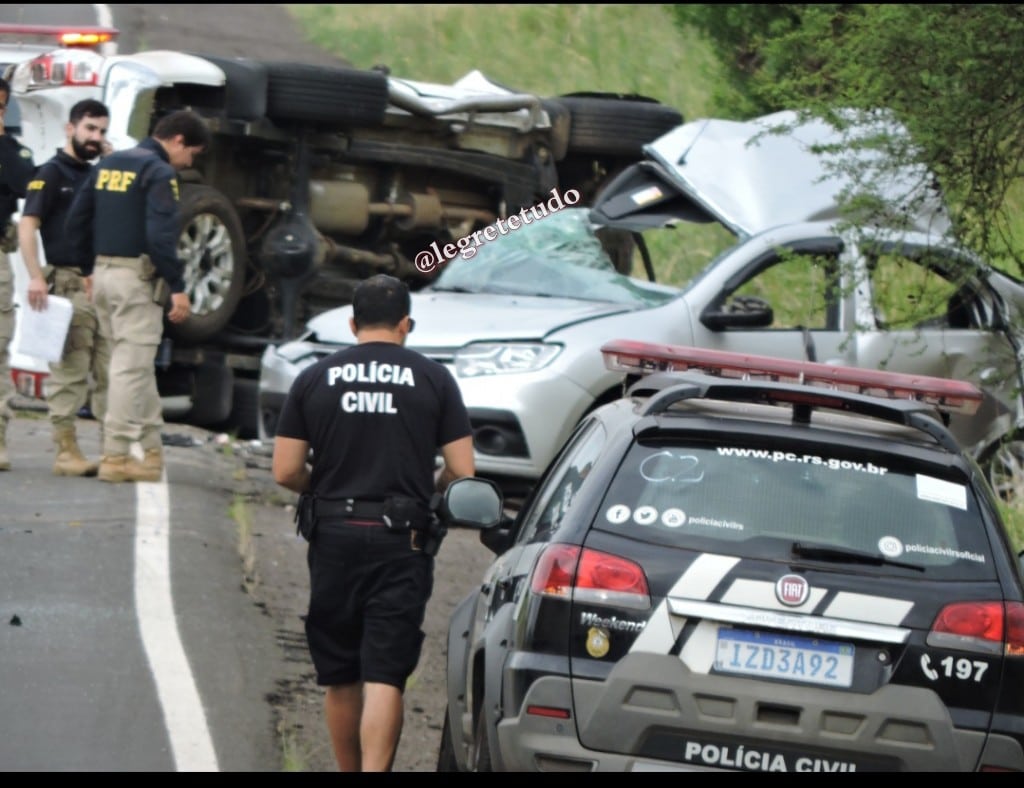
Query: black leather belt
[[348, 507]]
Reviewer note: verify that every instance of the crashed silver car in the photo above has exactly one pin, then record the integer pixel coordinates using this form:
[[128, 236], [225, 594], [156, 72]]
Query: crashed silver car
[[521, 322]]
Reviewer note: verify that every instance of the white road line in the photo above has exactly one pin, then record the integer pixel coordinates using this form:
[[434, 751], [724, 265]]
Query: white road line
[[154, 605], [154, 608]]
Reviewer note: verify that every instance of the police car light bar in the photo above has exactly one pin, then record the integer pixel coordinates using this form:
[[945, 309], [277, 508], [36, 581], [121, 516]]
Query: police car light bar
[[641, 358], [65, 36]]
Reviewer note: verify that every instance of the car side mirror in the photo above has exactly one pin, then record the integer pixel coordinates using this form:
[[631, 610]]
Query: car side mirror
[[499, 539], [471, 502], [739, 312]]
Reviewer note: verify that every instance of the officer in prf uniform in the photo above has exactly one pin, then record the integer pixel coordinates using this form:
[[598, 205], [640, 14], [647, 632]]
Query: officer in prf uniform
[[49, 197], [126, 220], [16, 167]]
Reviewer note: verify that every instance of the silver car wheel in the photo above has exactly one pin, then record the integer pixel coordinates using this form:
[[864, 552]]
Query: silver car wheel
[[205, 247], [1006, 471]]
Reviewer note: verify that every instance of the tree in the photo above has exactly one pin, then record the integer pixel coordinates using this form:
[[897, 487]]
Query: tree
[[949, 73]]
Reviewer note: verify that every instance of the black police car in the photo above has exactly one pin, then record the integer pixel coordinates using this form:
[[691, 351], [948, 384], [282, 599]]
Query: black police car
[[747, 563]]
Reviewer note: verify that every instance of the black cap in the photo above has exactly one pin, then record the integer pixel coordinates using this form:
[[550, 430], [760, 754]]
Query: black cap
[[381, 300]]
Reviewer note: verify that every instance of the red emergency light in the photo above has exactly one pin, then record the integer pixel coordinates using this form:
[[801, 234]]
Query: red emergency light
[[622, 355], [75, 60], [64, 35], [64, 68]]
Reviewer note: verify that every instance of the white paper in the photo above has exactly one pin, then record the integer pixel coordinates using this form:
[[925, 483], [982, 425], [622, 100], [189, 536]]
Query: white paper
[[939, 491], [42, 334]]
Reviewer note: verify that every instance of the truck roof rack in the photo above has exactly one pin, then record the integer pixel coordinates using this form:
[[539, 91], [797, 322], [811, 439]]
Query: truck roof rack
[[911, 400]]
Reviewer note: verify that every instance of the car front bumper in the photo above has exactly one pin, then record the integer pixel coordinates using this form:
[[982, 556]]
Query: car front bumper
[[519, 421]]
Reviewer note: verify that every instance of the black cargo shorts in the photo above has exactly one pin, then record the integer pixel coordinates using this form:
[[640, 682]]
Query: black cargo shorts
[[368, 596]]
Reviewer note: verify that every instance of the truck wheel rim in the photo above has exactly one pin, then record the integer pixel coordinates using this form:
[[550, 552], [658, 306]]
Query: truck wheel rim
[[205, 248], [1006, 471]]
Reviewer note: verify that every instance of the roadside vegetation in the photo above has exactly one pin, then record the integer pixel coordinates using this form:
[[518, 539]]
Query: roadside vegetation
[[545, 49], [949, 72]]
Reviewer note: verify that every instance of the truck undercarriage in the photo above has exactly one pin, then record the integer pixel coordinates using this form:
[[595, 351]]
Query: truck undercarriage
[[321, 176]]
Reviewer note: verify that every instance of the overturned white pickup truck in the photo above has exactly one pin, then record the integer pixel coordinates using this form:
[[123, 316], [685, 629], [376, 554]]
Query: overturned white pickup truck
[[320, 176]]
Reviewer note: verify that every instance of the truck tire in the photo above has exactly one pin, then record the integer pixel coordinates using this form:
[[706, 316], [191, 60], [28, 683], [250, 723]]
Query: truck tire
[[326, 96], [1004, 467], [446, 761], [243, 419], [616, 125], [561, 125], [480, 751], [212, 245], [212, 394], [245, 89]]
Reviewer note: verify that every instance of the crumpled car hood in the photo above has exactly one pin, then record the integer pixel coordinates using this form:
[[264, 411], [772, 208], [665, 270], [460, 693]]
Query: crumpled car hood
[[454, 319], [750, 179]]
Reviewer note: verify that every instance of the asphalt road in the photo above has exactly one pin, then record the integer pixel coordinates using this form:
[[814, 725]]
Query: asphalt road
[[159, 627], [264, 31], [128, 639], [103, 668]]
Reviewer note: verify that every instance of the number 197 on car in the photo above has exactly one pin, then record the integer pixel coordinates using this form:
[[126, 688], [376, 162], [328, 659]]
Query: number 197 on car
[[784, 657]]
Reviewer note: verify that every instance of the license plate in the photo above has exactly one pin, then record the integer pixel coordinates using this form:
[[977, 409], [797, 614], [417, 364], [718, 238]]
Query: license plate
[[777, 656]]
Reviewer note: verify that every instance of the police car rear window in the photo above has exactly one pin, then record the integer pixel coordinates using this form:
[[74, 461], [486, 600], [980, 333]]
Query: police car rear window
[[755, 501]]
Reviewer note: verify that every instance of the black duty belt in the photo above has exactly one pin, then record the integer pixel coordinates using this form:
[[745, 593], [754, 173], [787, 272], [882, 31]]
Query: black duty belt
[[348, 507], [119, 262], [61, 267]]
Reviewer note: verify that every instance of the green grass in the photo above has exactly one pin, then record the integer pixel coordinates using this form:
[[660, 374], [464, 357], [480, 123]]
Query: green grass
[[1013, 516], [239, 512], [547, 50], [294, 758], [34, 414]]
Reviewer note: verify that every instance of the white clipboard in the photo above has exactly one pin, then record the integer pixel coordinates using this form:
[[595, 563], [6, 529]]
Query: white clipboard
[[42, 334]]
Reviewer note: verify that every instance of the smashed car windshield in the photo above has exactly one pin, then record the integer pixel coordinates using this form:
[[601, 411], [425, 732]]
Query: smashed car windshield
[[558, 256]]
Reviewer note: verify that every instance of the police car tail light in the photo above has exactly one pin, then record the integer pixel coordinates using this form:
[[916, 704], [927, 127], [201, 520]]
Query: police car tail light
[[591, 577], [65, 68], [641, 358], [974, 624]]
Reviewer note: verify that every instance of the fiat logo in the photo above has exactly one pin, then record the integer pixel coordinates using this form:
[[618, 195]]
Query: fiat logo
[[792, 590]]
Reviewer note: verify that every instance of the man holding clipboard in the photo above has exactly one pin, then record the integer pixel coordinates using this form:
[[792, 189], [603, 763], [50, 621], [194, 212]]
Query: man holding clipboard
[[85, 350], [16, 168]]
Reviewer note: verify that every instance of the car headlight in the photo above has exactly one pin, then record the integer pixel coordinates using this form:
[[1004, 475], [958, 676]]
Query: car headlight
[[503, 358], [302, 354]]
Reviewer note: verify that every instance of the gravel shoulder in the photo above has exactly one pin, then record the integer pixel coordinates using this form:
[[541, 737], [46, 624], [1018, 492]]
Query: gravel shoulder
[[275, 573]]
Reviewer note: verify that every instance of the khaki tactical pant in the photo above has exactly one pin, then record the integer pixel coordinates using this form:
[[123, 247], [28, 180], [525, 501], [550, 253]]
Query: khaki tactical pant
[[86, 352], [132, 325], [6, 334]]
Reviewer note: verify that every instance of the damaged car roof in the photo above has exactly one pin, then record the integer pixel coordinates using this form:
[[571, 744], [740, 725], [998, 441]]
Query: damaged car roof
[[778, 169]]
